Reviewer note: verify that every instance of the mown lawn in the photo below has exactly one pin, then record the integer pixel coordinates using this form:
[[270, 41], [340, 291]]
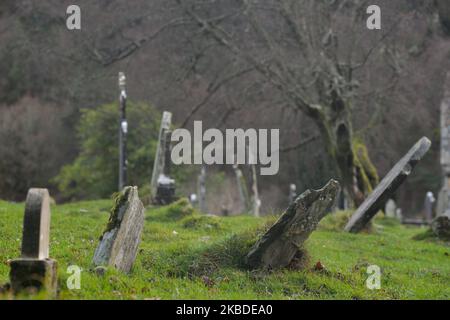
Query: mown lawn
[[187, 256]]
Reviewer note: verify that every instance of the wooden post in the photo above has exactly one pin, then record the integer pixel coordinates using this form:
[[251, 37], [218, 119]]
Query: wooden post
[[34, 270], [158, 165]]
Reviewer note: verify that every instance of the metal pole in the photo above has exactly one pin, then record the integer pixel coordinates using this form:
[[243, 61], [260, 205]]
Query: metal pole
[[123, 130]]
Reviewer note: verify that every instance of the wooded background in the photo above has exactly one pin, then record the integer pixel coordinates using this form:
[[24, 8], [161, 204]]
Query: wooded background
[[231, 64]]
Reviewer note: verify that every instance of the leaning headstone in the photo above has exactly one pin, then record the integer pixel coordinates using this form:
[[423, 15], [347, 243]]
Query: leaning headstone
[[34, 271], [284, 240], [390, 209], [374, 202], [120, 241]]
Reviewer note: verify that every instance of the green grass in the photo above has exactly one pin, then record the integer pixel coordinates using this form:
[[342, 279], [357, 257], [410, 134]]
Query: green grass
[[189, 256]]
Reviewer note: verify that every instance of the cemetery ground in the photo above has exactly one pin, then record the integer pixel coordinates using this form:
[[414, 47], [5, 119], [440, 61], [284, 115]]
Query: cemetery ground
[[186, 255]]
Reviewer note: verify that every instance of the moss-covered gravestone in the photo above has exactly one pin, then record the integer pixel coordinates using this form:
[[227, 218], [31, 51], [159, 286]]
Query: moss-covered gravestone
[[374, 202], [283, 242], [34, 271], [120, 241]]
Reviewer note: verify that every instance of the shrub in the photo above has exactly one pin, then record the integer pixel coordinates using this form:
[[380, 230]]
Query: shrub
[[180, 209], [201, 222], [94, 173]]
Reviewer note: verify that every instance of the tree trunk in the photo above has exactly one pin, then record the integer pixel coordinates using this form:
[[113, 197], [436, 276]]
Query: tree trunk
[[357, 173]]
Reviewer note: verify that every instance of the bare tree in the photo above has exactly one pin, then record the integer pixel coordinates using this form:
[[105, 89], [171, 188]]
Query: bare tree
[[313, 53]]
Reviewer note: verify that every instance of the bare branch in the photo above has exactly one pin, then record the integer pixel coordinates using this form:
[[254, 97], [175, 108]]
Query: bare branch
[[212, 91]]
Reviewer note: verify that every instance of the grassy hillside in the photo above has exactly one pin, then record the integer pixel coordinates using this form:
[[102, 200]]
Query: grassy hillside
[[187, 256]]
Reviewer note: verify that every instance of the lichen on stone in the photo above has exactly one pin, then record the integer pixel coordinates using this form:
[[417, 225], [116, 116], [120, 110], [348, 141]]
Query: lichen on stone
[[120, 200]]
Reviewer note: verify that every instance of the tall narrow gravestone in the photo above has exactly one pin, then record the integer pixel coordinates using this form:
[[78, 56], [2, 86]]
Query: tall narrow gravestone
[[374, 202], [284, 240], [34, 270], [165, 191], [158, 165], [120, 241]]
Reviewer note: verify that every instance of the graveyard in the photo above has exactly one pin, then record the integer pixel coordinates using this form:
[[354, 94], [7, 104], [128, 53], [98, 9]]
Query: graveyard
[[187, 257], [225, 150]]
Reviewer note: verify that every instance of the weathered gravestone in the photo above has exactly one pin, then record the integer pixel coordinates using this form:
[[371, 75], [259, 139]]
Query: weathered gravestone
[[34, 270], [165, 191], [158, 165], [284, 240], [369, 208], [119, 243], [390, 209]]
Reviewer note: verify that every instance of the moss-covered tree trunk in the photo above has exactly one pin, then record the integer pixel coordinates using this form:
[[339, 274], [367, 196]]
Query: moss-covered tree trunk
[[357, 173]]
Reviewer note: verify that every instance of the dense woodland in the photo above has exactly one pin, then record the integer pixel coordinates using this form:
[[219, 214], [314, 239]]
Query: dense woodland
[[336, 90]]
